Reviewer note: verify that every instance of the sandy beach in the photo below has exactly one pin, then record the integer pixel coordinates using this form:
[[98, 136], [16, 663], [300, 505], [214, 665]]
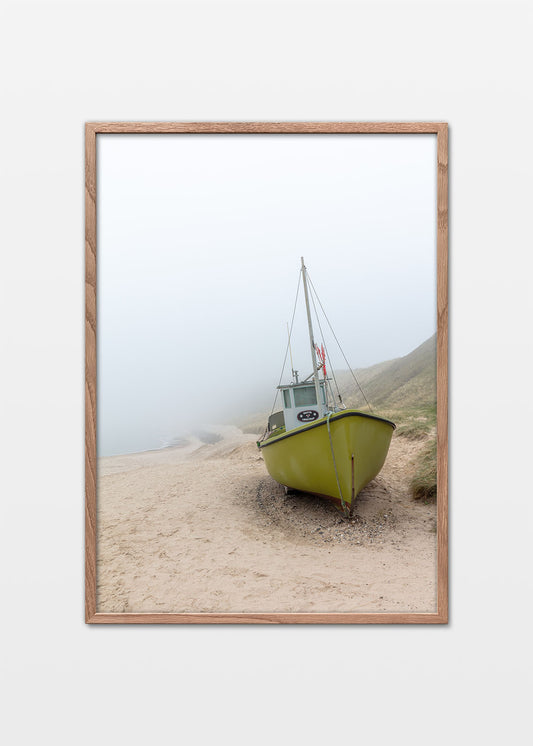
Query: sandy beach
[[204, 528]]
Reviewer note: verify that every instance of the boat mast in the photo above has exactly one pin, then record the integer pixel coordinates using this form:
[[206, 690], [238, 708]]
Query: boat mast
[[312, 342]]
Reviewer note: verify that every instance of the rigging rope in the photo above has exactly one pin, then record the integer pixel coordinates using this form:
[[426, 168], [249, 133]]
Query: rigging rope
[[345, 511], [338, 343], [325, 346], [288, 343]]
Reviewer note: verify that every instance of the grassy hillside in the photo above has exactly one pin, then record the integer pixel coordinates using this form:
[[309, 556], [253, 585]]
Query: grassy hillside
[[407, 382]]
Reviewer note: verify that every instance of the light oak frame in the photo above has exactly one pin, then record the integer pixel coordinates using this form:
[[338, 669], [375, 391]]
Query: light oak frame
[[440, 129]]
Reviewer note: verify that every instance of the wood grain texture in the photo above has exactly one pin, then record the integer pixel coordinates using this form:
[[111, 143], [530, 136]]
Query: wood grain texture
[[442, 371], [266, 127], [90, 373], [438, 128], [284, 618]]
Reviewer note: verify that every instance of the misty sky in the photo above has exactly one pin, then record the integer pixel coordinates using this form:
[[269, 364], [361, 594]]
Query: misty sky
[[199, 245]]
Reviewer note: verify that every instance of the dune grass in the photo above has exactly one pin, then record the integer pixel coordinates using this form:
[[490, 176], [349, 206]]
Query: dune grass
[[415, 423], [424, 482], [414, 430], [419, 424]]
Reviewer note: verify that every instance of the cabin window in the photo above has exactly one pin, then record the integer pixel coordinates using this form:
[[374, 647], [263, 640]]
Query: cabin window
[[287, 398], [304, 397]]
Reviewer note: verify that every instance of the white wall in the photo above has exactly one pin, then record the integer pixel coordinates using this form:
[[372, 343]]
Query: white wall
[[62, 64]]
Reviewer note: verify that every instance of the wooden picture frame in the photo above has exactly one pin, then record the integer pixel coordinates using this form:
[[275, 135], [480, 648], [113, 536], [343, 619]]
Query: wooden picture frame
[[92, 130]]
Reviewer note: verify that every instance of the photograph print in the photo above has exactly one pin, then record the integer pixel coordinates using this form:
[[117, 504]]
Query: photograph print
[[266, 373]]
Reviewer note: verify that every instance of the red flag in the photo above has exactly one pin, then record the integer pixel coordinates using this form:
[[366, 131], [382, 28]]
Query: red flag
[[322, 357]]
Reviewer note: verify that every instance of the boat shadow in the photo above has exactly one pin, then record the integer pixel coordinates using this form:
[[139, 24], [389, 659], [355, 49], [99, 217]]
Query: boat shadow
[[304, 516]]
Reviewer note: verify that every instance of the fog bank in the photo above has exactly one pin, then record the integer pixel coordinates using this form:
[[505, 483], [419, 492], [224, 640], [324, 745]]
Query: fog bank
[[199, 245]]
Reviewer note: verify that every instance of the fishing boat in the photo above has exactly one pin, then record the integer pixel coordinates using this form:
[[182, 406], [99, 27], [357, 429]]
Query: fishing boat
[[315, 444]]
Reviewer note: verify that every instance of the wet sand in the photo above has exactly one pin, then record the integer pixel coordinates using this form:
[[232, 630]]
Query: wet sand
[[204, 528]]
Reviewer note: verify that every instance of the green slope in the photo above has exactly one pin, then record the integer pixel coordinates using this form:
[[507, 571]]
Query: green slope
[[404, 383]]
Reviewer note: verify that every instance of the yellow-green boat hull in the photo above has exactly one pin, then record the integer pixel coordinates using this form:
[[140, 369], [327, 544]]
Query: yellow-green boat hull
[[336, 464]]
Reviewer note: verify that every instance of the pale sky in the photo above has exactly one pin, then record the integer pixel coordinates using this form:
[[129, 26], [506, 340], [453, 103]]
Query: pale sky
[[199, 246]]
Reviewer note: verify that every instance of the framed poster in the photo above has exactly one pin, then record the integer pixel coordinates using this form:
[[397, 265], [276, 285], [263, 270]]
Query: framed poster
[[266, 372]]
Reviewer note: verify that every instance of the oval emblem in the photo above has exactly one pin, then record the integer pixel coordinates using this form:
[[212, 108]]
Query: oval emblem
[[308, 415]]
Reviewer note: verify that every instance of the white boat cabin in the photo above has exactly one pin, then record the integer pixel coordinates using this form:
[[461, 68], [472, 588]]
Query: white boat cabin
[[300, 405]]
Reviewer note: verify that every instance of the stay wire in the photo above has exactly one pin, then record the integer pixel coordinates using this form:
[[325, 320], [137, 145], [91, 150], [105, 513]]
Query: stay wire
[[338, 343], [288, 343]]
